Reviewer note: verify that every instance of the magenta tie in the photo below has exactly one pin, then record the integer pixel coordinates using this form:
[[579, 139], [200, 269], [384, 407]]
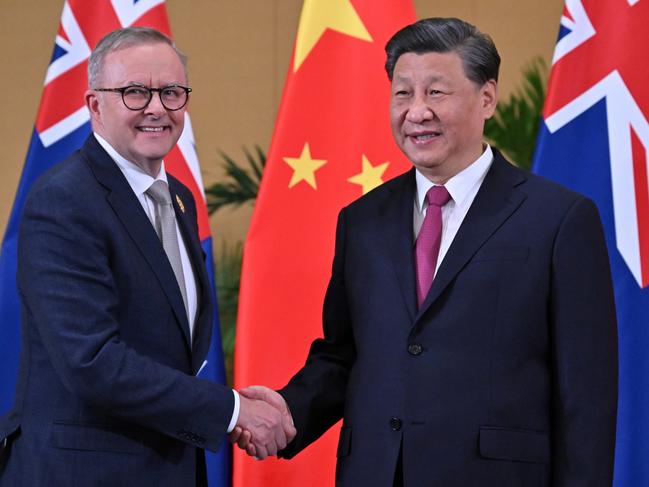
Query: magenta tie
[[428, 240]]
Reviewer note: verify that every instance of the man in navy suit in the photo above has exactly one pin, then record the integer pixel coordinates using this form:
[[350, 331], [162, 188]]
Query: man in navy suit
[[116, 307], [503, 371]]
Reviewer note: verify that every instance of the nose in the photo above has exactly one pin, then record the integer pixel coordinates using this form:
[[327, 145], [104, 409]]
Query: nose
[[155, 106], [419, 111]]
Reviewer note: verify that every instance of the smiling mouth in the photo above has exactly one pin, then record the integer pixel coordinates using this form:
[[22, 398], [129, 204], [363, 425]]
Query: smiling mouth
[[151, 129], [423, 138]]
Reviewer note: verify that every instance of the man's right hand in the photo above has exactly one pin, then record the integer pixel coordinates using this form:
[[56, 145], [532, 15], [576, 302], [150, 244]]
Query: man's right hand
[[262, 429], [259, 431]]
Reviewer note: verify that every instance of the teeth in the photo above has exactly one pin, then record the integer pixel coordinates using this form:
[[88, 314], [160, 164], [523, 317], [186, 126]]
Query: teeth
[[423, 138], [151, 129]]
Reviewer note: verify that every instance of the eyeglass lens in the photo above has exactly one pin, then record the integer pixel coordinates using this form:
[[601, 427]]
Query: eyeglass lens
[[137, 97]]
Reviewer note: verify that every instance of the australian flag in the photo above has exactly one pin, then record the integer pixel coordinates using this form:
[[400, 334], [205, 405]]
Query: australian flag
[[62, 125], [594, 138]]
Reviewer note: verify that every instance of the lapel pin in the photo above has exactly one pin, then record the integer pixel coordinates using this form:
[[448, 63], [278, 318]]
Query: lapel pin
[[180, 203]]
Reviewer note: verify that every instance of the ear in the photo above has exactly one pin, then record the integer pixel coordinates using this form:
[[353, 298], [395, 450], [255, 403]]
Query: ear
[[92, 103], [489, 98]]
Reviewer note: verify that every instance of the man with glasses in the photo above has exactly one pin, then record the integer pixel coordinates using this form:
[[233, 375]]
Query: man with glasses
[[116, 302]]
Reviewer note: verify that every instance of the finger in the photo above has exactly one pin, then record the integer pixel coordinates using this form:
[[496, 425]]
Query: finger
[[252, 451], [235, 435], [271, 448], [254, 392], [280, 438], [268, 395], [281, 442], [289, 431], [244, 439], [262, 452], [275, 399]]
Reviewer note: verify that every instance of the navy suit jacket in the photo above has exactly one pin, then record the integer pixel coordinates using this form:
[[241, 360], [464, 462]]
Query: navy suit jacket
[[506, 375], [107, 393]]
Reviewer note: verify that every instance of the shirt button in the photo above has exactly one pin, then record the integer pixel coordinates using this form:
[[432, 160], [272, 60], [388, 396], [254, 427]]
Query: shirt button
[[415, 349], [395, 424]]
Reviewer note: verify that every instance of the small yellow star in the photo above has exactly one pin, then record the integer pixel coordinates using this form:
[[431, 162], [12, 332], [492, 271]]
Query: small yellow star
[[320, 15], [370, 177], [304, 167]]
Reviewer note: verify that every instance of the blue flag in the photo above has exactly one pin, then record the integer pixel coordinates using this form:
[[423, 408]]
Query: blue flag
[[62, 125], [594, 138]]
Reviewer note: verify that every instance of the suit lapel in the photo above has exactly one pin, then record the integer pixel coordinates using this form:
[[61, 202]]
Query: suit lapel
[[203, 322], [496, 200], [396, 227], [129, 210]]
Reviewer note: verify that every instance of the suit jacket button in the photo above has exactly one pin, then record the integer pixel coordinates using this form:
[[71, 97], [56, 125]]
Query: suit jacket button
[[415, 349], [395, 424]]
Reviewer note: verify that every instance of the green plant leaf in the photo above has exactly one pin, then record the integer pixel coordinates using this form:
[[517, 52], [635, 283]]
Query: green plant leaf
[[227, 271], [514, 126], [241, 183]]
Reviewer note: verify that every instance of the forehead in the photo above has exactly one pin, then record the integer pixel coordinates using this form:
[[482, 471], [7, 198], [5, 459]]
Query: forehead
[[441, 65], [144, 63]]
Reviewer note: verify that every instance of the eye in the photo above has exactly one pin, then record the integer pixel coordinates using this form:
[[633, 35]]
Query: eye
[[136, 91], [172, 92], [434, 92], [401, 93]]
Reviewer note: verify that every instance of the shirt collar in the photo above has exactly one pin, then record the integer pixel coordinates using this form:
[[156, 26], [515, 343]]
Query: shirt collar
[[139, 180], [459, 186]]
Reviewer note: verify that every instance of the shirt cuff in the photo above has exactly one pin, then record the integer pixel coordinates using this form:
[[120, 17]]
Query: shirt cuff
[[235, 412]]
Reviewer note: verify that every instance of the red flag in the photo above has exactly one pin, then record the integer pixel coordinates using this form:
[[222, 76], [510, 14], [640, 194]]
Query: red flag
[[332, 143]]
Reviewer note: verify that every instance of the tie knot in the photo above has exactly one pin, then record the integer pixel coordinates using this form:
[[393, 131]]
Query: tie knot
[[438, 196], [159, 191]]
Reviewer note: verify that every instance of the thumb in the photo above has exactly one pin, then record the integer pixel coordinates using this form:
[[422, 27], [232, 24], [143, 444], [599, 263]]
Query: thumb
[[268, 395]]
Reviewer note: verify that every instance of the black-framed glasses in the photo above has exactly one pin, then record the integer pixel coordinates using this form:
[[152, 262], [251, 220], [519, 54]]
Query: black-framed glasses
[[136, 97]]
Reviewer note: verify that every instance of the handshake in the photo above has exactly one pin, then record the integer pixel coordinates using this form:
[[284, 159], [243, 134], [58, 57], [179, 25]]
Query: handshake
[[265, 425]]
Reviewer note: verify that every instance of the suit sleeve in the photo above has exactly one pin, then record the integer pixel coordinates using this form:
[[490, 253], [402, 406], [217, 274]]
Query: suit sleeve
[[69, 296], [316, 394], [584, 337]]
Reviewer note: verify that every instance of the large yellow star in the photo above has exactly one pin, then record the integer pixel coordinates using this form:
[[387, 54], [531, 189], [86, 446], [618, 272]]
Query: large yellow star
[[320, 15], [304, 167], [370, 177]]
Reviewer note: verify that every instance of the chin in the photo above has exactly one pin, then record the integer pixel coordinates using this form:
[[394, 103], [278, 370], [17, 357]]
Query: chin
[[423, 161]]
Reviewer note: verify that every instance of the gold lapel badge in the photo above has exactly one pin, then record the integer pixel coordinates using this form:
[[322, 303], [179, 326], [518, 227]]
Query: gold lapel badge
[[180, 203]]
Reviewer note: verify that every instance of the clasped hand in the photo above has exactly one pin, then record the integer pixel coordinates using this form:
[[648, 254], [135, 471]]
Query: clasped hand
[[265, 425]]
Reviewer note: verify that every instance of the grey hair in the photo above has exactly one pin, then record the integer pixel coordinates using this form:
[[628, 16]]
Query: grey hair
[[480, 58], [122, 39]]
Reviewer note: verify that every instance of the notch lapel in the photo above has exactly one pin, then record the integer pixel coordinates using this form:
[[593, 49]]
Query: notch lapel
[[396, 227], [130, 212], [496, 201]]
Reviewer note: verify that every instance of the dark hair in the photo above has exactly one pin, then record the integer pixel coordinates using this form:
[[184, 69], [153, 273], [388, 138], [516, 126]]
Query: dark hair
[[478, 52], [122, 39]]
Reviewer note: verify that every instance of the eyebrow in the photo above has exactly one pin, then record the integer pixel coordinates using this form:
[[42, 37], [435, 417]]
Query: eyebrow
[[431, 79], [142, 85]]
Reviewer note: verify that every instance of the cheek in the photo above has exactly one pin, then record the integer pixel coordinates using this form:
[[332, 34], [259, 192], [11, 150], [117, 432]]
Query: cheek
[[178, 119], [397, 115]]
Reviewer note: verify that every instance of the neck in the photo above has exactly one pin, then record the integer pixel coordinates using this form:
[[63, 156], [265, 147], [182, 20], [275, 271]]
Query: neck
[[151, 168], [440, 175]]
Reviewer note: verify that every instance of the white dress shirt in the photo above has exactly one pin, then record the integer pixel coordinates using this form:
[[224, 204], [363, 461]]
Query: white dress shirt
[[140, 182], [463, 188]]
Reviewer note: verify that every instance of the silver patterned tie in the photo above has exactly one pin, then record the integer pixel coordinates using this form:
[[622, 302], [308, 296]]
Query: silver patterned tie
[[165, 227]]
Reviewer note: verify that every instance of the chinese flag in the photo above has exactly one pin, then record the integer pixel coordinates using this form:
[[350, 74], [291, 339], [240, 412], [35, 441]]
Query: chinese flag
[[332, 143]]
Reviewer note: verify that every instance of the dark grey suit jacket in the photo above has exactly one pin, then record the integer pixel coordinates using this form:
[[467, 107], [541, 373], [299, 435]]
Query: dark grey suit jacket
[[107, 393], [506, 376]]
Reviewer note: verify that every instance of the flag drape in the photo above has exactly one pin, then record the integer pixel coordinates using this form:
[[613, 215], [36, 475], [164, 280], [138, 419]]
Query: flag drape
[[62, 124], [332, 143], [594, 138]]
